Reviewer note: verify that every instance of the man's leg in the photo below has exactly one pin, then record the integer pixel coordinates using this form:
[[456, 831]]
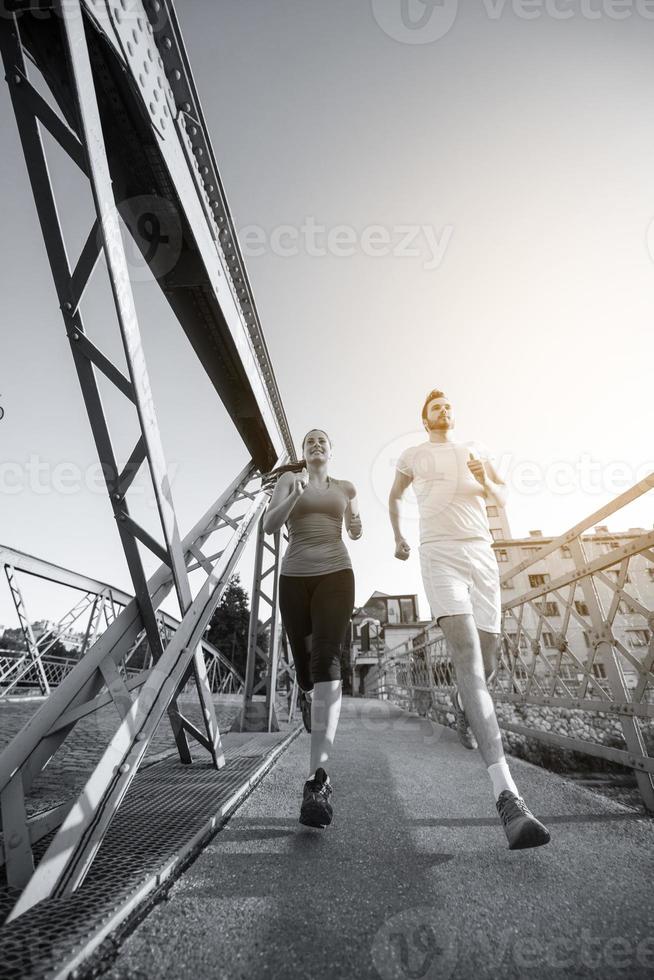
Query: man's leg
[[490, 651], [463, 643]]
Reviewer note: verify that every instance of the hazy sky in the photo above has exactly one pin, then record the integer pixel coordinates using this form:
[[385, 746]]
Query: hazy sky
[[469, 211]]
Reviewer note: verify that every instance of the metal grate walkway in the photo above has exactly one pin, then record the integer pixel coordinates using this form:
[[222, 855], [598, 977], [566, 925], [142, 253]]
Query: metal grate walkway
[[169, 812]]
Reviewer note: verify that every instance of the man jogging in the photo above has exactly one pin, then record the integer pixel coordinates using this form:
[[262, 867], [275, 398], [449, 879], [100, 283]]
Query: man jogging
[[452, 482]]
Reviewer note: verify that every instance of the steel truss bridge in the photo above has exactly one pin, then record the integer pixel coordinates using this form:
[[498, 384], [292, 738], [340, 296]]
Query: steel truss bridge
[[36, 670], [125, 109], [123, 106]]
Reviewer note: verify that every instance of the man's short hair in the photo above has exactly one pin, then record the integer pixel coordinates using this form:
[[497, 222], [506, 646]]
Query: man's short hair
[[430, 397]]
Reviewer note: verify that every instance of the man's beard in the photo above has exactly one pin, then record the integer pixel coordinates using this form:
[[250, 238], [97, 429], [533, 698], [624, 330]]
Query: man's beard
[[440, 424]]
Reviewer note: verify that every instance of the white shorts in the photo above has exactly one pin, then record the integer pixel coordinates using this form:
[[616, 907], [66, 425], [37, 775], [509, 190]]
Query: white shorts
[[463, 577]]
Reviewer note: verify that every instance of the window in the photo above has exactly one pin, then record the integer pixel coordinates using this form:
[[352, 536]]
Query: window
[[502, 554], [536, 580], [393, 607], [548, 608], [520, 673], [599, 671], [491, 510], [638, 638], [408, 611], [549, 640], [581, 607]]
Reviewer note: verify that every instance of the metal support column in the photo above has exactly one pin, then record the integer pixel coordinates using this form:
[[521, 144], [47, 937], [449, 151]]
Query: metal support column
[[258, 716], [33, 655], [603, 650]]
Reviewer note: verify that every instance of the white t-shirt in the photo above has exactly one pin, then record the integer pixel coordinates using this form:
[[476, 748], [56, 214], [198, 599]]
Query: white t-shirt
[[451, 502]]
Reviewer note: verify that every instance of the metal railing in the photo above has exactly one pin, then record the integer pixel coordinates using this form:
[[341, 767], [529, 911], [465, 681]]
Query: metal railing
[[55, 669], [566, 674]]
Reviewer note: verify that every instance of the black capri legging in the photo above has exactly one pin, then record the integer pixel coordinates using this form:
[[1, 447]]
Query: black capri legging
[[319, 606]]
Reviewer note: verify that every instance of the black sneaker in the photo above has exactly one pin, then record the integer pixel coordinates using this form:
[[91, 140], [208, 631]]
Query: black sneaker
[[520, 825], [316, 810], [463, 729], [305, 708]]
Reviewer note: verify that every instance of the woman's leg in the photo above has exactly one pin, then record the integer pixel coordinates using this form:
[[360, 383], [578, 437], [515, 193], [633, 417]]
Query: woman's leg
[[295, 609], [331, 609]]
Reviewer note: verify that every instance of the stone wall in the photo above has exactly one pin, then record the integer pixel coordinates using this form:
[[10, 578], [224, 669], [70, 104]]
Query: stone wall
[[596, 727]]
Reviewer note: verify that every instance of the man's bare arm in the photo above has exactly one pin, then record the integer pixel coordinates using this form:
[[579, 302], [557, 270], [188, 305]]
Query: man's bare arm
[[495, 487], [400, 484], [486, 475]]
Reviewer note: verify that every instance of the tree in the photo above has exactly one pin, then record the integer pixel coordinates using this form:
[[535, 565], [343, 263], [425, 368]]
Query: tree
[[228, 628]]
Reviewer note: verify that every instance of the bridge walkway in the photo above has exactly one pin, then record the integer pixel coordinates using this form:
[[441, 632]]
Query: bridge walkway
[[413, 878]]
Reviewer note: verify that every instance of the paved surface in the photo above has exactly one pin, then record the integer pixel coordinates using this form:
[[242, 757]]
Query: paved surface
[[64, 777], [413, 878]]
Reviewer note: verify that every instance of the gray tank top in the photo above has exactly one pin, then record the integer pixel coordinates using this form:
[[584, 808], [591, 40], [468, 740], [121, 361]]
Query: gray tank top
[[315, 542]]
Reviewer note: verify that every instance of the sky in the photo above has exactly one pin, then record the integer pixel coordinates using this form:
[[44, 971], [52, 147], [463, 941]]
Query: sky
[[462, 199]]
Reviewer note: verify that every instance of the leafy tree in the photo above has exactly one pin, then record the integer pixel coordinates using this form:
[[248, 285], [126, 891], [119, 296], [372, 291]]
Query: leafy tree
[[228, 628]]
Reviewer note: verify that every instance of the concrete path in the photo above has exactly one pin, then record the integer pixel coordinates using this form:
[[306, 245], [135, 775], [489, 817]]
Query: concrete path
[[412, 880]]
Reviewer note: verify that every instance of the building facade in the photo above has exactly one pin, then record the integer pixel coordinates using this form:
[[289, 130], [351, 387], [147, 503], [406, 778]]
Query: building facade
[[383, 622], [633, 617]]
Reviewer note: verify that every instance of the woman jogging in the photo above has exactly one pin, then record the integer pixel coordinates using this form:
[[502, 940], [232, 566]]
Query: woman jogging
[[316, 599]]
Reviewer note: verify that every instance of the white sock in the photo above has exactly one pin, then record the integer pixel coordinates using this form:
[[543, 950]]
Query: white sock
[[459, 701], [501, 778]]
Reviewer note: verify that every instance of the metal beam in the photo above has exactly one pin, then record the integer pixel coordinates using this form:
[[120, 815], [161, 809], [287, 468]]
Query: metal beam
[[163, 167]]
